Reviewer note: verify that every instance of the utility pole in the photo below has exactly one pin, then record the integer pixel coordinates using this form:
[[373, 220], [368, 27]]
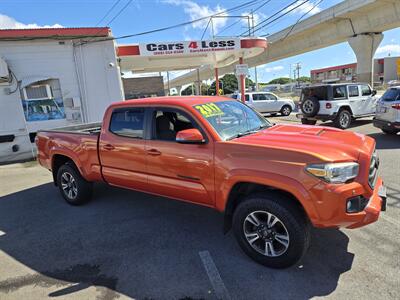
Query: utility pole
[[255, 68], [296, 71]]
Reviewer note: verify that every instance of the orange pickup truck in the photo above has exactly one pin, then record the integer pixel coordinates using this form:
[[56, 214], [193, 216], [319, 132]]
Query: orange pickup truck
[[271, 182]]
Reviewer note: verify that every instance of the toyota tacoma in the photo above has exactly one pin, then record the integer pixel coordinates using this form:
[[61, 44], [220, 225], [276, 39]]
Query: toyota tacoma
[[271, 182]]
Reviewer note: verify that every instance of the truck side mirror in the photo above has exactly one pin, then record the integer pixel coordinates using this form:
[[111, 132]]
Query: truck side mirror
[[373, 93], [190, 136]]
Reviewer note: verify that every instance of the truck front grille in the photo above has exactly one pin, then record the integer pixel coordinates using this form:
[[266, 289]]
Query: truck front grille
[[373, 169]]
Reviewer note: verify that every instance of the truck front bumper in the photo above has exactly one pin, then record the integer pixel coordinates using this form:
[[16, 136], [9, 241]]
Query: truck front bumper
[[333, 212]]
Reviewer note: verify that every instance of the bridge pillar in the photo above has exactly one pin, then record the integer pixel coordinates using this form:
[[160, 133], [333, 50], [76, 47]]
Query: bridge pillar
[[364, 47]]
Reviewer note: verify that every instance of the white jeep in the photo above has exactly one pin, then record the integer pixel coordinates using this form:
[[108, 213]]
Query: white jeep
[[341, 103]]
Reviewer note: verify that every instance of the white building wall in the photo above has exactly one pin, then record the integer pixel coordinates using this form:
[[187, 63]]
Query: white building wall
[[92, 76]]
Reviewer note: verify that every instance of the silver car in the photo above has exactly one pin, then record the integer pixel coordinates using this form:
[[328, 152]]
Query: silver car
[[266, 102], [387, 116]]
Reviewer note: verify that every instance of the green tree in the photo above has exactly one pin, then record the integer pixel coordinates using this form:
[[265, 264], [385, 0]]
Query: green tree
[[280, 80], [191, 89], [229, 84], [304, 79]]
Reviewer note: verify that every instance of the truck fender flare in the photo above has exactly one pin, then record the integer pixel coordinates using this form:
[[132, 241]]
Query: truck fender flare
[[275, 181]]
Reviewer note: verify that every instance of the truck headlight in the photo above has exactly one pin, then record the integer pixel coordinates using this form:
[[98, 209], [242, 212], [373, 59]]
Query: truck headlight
[[334, 172]]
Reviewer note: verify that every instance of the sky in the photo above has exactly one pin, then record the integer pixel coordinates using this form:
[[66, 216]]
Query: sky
[[134, 16]]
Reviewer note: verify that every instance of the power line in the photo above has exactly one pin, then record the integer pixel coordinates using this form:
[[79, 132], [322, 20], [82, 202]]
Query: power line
[[249, 3], [119, 12], [299, 19], [108, 12], [254, 10], [262, 24]]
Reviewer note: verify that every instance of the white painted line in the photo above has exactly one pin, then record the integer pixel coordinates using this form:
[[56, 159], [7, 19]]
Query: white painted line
[[216, 281], [2, 233]]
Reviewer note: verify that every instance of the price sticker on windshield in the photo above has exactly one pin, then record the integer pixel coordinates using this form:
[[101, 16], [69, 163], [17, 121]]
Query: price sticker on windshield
[[209, 110]]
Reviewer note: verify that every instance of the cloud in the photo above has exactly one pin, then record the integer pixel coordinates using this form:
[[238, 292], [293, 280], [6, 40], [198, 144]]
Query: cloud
[[257, 18], [274, 69], [7, 22], [391, 48], [304, 8], [196, 11]]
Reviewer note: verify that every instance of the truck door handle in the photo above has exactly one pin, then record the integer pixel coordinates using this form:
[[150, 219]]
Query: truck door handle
[[108, 147], [153, 152]]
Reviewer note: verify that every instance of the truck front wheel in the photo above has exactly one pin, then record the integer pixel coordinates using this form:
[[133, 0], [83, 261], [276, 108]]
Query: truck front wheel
[[73, 187], [271, 230]]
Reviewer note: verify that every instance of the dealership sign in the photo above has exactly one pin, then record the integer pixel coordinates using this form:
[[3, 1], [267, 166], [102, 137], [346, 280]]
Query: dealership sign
[[189, 47]]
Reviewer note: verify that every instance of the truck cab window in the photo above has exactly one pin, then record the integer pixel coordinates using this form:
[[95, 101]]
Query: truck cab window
[[128, 122], [167, 123]]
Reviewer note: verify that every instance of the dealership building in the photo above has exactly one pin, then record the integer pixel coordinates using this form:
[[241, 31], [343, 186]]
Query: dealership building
[[385, 69]]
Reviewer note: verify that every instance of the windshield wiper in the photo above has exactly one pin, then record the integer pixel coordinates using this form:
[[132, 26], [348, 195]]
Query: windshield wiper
[[247, 132]]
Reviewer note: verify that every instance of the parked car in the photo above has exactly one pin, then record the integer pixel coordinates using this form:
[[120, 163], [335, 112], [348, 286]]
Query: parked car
[[388, 111], [266, 102], [340, 103], [271, 182]]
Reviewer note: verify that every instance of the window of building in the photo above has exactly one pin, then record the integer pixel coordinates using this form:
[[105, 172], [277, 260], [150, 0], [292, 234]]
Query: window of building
[[128, 122]]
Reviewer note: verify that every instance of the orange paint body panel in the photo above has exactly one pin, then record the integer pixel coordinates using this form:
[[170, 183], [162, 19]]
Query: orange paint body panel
[[206, 173]]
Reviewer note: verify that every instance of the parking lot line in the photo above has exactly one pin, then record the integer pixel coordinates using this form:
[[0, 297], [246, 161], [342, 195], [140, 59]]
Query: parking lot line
[[212, 272]]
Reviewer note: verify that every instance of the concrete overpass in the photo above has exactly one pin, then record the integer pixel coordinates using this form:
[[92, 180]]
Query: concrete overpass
[[358, 22]]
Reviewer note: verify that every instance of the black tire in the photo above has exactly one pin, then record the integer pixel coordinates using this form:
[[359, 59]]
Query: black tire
[[79, 191], [389, 131], [286, 110], [296, 228], [310, 106], [308, 122], [343, 120]]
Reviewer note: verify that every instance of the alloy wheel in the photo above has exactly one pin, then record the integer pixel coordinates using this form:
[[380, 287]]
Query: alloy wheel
[[308, 106], [266, 233], [68, 185]]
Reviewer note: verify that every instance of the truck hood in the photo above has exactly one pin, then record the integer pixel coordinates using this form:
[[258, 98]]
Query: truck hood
[[325, 143]]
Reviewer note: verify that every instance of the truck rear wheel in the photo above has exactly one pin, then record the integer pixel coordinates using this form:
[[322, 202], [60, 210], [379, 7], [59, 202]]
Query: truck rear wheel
[[73, 187], [271, 230]]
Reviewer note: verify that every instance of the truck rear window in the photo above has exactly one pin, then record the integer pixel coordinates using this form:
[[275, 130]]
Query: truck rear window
[[128, 122]]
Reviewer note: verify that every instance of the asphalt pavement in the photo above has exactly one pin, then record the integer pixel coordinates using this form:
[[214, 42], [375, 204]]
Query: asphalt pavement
[[127, 244]]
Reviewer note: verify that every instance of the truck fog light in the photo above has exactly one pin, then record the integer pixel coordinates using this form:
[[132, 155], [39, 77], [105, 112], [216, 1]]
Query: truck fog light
[[356, 204], [15, 148]]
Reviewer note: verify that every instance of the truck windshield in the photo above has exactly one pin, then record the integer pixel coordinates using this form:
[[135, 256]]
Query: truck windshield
[[232, 119]]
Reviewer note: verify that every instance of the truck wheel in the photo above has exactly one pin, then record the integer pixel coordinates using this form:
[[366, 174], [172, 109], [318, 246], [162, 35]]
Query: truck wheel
[[286, 110], [73, 187], [310, 106], [271, 231], [308, 121], [343, 119]]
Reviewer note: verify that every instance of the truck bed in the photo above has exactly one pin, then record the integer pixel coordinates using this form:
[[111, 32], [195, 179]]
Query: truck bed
[[89, 128]]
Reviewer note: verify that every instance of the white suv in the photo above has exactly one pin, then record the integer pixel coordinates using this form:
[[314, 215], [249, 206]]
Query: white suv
[[388, 111], [265, 102], [341, 103]]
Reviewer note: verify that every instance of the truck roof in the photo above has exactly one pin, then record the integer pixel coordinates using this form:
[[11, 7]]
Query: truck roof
[[172, 100]]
